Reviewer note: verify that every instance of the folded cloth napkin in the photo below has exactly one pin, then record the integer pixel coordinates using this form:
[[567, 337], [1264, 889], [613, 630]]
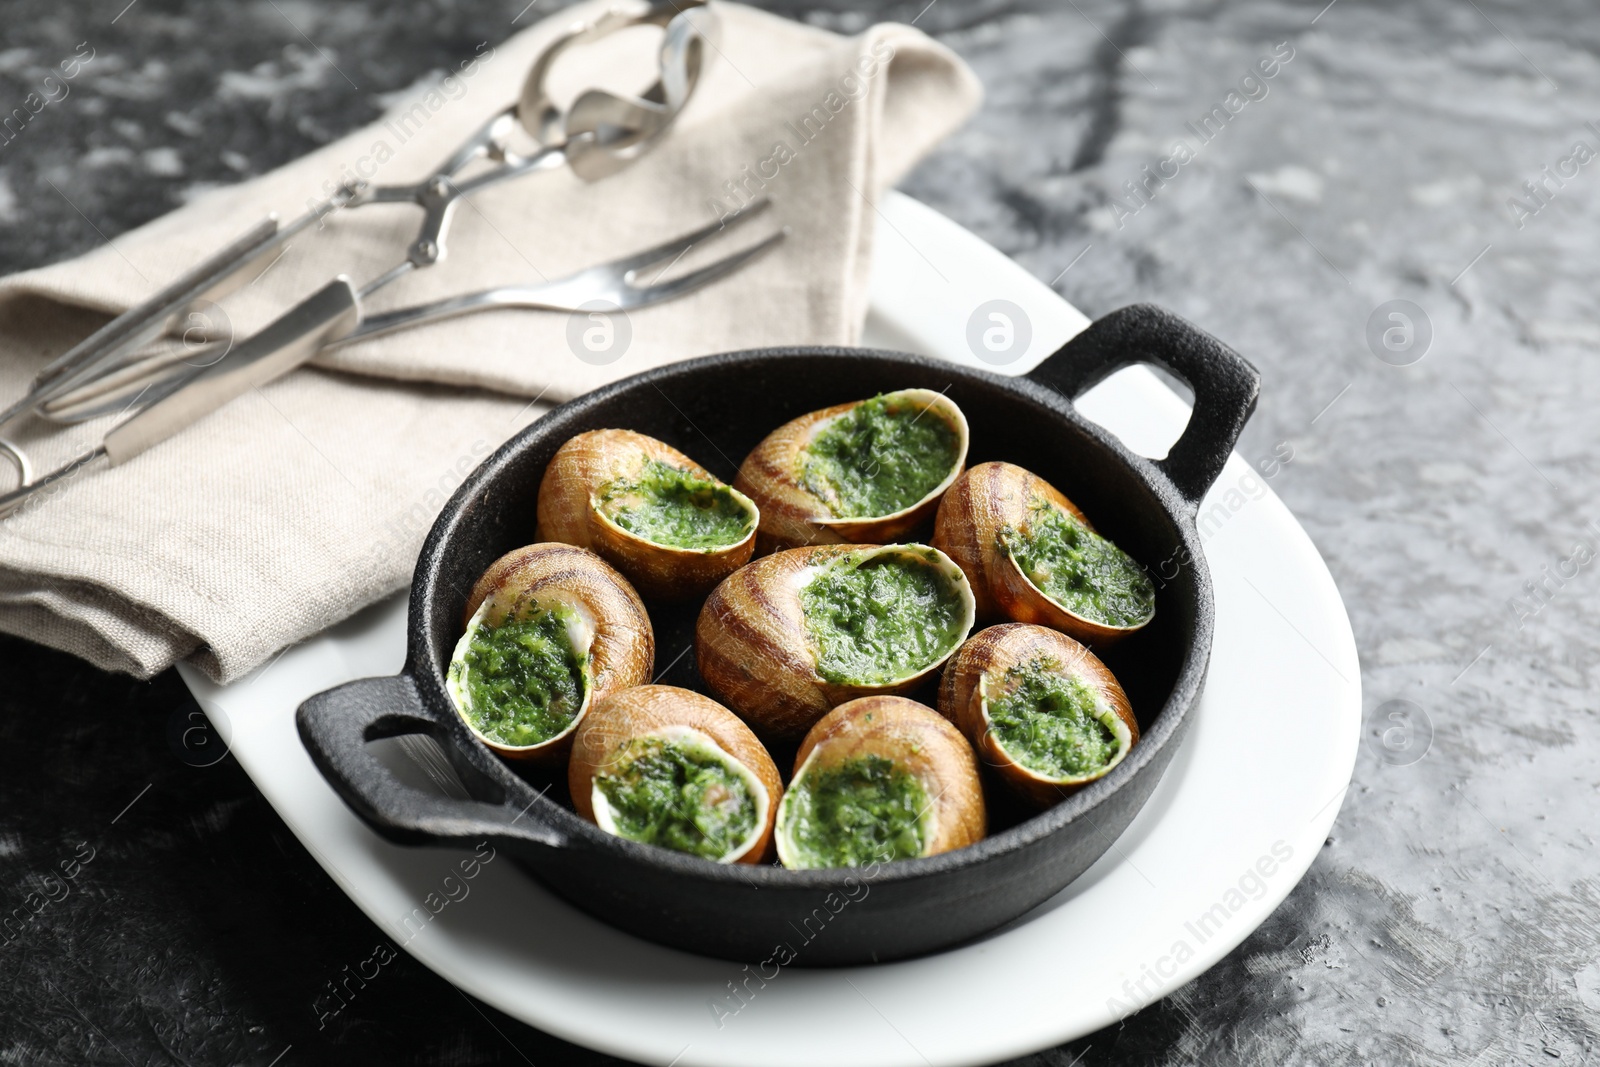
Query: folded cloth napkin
[[303, 501]]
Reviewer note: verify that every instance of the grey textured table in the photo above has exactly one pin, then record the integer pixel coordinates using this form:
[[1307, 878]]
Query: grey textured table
[[1441, 462]]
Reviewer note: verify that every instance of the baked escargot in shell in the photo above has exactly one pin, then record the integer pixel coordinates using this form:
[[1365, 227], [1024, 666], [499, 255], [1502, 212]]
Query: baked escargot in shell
[[878, 779], [548, 630], [1040, 709], [864, 472], [1032, 556], [670, 767], [656, 515], [792, 635]]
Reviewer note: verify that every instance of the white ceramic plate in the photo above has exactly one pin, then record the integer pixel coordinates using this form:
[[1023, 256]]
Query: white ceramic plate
[[1241, 813]]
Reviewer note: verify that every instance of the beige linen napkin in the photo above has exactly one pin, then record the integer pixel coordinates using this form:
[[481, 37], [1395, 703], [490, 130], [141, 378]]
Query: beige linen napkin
[[303, 501]]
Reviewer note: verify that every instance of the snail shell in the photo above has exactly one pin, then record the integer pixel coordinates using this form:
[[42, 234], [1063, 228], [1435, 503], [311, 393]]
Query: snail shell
[[753, 647], [977, 675], [915, 739], [978, 510], [795, 513], [606, 624], [594, 469], [685, 717]]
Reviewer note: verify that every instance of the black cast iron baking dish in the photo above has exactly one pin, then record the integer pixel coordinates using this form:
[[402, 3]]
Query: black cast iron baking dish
[[715, 409]]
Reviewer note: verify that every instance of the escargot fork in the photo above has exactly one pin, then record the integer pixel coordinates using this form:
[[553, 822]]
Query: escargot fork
[[619, 283], [628, 282], [179, 395]]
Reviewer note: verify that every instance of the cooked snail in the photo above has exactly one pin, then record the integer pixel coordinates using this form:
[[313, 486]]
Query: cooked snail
[[669, 767], [880, 778], [867, 471], [649, 510], [1041, 709], [786, 638], [1032, 556], [549, 630]]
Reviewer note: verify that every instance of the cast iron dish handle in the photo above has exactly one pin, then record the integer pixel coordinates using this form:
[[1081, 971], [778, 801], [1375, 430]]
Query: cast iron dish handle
[[335, 727], [1225, 384]]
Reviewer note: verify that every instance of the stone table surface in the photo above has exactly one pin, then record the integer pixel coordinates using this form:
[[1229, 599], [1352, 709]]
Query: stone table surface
[[1440, 461]]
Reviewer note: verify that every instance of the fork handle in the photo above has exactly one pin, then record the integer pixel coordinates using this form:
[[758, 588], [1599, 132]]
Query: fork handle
[[450, 307]]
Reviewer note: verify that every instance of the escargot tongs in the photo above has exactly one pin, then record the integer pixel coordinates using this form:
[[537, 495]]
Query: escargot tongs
[[599, 134]]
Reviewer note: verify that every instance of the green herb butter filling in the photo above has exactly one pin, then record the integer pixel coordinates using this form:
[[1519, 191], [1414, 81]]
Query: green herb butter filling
[[669, 506], [854, 813], [880, 457], [1055, 725], [522, 682], [1079, 569], [680, 796], [878, 619]]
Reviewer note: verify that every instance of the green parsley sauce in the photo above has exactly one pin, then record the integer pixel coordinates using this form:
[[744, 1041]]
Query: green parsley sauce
[[1079, 569], [677, 796], [1055, 725], [523, 681], [880, 619], [857, 812], [880, 457], [669, 506]]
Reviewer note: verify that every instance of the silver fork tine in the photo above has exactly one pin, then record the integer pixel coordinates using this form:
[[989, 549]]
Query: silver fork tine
[[645, 295], [680, 244]]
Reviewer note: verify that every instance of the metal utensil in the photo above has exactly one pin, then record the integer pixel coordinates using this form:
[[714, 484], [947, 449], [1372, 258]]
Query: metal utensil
[[174, 394], [620, 283]]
